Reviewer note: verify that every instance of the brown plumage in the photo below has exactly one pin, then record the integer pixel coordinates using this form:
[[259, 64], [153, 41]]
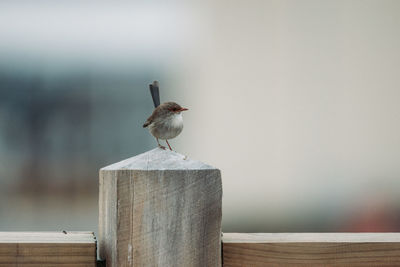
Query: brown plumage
[[166, 121], [162, 110]]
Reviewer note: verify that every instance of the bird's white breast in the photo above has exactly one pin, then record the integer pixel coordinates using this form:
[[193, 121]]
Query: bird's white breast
[[177, 121], [168, 128]]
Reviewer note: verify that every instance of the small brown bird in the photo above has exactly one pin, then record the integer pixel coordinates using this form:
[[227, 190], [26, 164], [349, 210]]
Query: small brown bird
[[166, 121]]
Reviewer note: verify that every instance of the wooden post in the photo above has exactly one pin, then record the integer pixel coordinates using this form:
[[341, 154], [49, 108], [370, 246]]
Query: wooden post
[[160, 209]]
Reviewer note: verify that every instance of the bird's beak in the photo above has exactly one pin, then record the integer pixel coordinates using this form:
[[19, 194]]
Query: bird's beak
[[183, 109]]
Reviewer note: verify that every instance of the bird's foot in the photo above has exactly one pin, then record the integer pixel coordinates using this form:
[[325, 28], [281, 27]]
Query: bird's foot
[[162, 147]]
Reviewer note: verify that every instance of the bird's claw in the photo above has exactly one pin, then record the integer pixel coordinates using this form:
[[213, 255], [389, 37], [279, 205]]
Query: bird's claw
[[162, 147]]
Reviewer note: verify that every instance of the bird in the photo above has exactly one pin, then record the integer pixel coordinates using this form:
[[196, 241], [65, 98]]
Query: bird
[[166, 121]]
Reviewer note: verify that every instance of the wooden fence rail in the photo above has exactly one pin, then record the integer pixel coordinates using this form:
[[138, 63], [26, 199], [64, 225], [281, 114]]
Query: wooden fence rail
[[47, 249], [311, 249], [238, 249]]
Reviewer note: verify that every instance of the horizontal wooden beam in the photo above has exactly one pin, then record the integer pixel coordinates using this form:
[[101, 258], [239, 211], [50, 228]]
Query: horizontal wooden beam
[[311, 249], [47, 249]]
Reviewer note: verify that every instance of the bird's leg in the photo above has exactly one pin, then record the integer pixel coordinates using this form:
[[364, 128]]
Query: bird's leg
[[168, 144], [160, 146]]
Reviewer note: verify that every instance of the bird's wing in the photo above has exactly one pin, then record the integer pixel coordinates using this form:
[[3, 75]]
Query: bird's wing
[[155, 93], [156, 112], [148, 121]]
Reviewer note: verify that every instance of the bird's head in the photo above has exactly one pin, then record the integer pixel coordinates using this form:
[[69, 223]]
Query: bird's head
[[174, 108]]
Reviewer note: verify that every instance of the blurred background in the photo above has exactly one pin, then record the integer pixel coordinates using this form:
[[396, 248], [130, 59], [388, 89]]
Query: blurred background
[[297, 102]]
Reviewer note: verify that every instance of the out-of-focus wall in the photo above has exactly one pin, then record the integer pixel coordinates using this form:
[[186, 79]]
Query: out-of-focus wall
[[298, 103], [295, 101]]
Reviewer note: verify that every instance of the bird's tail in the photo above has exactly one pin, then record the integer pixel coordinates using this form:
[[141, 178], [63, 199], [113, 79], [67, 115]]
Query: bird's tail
[[155, 93]]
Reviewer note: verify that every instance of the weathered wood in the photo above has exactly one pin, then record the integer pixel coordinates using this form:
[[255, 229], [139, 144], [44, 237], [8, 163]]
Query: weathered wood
[[311, 249], [47, 249], [160, 209]]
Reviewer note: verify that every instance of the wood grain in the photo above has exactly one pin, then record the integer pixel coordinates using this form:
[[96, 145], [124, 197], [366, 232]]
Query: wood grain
[[160, 209], [311, 249], [47, 249]]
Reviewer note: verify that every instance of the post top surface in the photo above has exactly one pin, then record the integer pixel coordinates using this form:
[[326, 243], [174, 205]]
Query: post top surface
[[158, 159]]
